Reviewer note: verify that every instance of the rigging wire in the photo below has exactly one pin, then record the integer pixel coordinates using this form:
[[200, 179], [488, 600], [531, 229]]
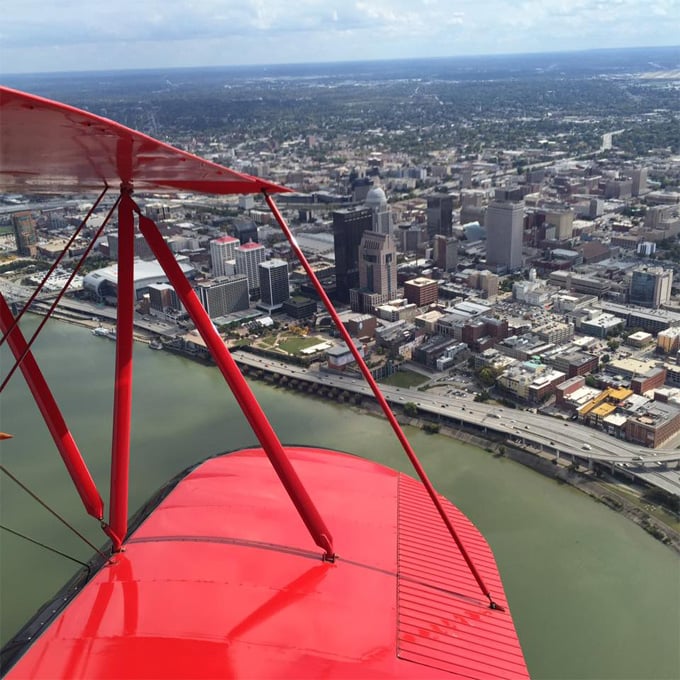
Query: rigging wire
[[396, 428], [61, 294], [43, 545], [55, 264], [50, 510]]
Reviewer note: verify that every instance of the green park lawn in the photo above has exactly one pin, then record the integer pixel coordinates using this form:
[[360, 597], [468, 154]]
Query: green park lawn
[[405, 379], [294, 344]]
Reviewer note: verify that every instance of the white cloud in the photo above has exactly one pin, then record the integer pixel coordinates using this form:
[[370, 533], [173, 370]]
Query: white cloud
[[35, 35]]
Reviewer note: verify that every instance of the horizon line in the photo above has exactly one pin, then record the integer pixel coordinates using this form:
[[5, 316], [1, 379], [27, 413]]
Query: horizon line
[[341, 61]]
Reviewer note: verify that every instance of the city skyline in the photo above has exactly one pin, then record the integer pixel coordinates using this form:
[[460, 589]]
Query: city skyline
[[74, 36]]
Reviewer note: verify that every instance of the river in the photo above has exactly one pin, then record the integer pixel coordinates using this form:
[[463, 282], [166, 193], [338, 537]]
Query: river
[[592, 595]]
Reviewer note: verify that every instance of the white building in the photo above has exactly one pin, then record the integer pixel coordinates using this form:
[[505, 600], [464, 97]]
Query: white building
[[222, 251], [248, 257]]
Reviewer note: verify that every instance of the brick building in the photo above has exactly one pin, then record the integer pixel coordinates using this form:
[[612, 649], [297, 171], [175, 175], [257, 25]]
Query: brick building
[[421, 291], [653, 425]]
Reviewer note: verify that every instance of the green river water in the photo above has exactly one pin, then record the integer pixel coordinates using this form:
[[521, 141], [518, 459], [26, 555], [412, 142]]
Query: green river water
[[592, 595]]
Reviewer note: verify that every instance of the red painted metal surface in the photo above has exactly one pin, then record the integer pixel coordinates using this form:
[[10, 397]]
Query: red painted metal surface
[[365, 371], [53, 147], [240, 388], [122, 393], [63, 439], [441, 620], [222, 580]]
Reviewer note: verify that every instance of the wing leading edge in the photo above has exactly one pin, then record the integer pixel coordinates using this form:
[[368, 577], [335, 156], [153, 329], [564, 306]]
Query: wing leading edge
[[49, 147]]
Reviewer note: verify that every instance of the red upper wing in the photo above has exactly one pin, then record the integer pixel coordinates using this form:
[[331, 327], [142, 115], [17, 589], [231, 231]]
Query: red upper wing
[[46, 146]]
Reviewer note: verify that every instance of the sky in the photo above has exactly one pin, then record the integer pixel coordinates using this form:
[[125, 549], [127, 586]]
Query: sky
[[77, 35]]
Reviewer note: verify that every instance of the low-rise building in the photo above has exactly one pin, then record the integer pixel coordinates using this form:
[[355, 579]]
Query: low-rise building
[[672, 374], [603, 404], [392, 337], [340, 357], [451, 356], [653, 425], [574, 363], [428, 321], [651, 320], [397, 310], [564, 389], [631, 368], [530, 381], [654, 378], [494, 359], [555, 332], [360, 325], [639, 339], [523, 347], [578, 283], [299, 307], [431, 350], [601, 325]]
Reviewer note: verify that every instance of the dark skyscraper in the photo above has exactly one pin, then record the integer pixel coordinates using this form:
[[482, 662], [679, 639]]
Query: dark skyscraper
[[245, 230], [439, 215], [274, 287], [25, 232], [348, 226]]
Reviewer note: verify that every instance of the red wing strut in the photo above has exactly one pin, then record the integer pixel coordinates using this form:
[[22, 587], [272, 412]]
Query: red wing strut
[[53, 147]]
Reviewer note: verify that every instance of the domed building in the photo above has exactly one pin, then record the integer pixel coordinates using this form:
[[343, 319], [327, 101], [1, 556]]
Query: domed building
[[376, 200]]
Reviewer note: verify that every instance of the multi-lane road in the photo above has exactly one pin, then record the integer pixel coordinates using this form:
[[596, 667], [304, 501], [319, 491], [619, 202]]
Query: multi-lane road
[[658, 466]]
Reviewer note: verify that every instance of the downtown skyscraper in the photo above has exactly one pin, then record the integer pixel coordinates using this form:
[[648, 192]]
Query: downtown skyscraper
[[504, 223], [377, 272], [274, 286], [348, 228]]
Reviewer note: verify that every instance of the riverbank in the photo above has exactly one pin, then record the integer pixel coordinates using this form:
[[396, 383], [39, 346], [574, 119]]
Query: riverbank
[[572, 570], [608, 491], [604, 489]]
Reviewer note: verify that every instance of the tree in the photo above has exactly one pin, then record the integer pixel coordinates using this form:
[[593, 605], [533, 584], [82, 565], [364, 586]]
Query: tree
[[487, 376], [613, 344], [410, 409]]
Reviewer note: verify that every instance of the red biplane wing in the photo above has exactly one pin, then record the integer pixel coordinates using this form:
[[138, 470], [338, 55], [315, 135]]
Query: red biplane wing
[[51, 147], [220, 578]]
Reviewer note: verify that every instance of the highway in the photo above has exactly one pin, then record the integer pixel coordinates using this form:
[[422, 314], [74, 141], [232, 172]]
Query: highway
[[656, 466]]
